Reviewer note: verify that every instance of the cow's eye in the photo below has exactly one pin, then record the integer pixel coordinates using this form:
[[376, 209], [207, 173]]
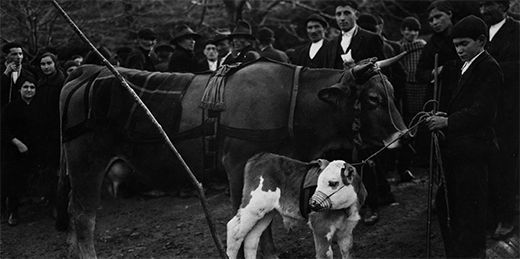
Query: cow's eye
[[333, 184]]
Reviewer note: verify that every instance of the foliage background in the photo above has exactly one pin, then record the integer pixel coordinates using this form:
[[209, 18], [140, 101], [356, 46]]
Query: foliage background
[[114, 23]]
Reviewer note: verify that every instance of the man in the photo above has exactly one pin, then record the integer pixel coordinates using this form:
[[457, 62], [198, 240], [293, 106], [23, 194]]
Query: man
[[470, 140], [13, 73], [183, 58], [243, 47], [164, 52], [223, 43], [266, 40], [354, 44], [504, 46], [210, 60], [143, 56], [313, 53]]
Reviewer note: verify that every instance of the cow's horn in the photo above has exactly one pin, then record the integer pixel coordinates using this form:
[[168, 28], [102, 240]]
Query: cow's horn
[[389, 61]]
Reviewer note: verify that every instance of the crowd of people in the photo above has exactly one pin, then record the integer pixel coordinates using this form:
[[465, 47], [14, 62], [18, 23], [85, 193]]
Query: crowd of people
[[475, 62]]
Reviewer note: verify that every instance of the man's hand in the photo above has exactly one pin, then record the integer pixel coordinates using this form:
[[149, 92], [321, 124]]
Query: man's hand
[[22, 148], [437, 121], [10, 67]]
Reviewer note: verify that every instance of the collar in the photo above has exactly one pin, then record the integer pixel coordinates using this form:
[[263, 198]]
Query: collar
[[350, 32], [467, 64], [493, 29], [317, 43]]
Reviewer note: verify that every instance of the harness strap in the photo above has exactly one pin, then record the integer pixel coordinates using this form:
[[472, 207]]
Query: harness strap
[[294, 95]]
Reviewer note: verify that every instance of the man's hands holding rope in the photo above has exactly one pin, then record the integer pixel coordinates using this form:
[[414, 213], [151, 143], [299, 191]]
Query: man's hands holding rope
[[437, 121]]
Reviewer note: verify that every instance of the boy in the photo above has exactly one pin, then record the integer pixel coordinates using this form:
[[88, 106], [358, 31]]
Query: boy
[[470, 107]]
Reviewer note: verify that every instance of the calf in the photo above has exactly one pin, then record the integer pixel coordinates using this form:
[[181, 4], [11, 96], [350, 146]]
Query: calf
[[273, 183]]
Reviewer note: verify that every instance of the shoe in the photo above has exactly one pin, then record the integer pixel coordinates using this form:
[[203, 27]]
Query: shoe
[[502, 230], [407, 176], [370, 217], [13, 219]]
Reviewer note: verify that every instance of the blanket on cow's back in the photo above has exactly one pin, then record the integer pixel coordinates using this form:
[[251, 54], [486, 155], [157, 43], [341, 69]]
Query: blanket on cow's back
[[105, 100]]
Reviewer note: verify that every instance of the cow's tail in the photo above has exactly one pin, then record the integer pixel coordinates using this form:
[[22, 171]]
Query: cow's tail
[[62, 195]]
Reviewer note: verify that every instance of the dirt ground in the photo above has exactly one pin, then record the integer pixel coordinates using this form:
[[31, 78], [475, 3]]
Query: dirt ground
[[172, 227]]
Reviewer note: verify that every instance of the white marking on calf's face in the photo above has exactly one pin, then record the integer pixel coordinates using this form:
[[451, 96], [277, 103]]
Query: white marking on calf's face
[[330, 183]]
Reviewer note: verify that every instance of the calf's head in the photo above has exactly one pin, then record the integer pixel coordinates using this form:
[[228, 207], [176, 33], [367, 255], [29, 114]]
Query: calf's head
[[339, 187]]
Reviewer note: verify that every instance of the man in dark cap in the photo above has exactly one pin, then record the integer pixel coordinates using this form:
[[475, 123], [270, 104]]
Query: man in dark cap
[[354, 44], [243, 41], [164, 52], [13, 72], [504, 46], [313, 53], [143, 56], [266, 40], [183, 59], [473, 88]]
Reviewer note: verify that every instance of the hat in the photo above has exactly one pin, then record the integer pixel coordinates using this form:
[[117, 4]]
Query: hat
[[504, 3], [164, 47], [221, 34], [367, 22], [470, 27], [265, 35], [28, 77], [6, 48], [183, 31], [411, 23], [243, 29], [69, 63], [146, 34], [317, 18]]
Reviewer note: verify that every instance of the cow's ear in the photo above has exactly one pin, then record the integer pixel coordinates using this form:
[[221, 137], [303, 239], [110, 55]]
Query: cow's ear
[[322, 163], [334, 94], [347, 174]]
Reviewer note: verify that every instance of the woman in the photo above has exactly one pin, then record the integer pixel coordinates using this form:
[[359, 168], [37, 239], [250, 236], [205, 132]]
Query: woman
[[440, 15], [50, 85]]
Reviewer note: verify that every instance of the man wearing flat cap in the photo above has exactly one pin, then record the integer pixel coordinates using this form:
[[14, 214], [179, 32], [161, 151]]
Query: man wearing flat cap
[[143, 56], [266, 40], [243, 41], [313, 53], [467, 119], [13, 72], [504, 46], [183, 58]]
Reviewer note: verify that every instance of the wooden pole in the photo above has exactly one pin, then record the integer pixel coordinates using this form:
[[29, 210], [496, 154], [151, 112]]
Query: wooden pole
[[136, 98]]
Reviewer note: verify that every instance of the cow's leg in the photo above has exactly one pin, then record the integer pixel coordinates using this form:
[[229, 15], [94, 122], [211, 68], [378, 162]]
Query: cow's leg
[[252, 239], [238, 228], [86, 169], [345, 239], [322, 244]]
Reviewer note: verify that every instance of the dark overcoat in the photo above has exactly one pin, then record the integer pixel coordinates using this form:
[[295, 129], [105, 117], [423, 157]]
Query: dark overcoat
[[301, 57]]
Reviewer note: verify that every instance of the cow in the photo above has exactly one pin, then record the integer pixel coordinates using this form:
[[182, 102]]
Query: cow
[[274, 183], [268, 107]]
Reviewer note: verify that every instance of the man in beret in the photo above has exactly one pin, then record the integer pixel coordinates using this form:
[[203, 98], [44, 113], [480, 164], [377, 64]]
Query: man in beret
[[354, 44], [143, 56], [467, 120], [183, 58], [313, 53], [504, 46], [13, 72], [266, 40], [243, 44]]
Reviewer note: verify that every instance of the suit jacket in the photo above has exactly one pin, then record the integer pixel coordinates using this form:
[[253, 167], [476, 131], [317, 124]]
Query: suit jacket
[[140, 59], [439, 43], [274, 54], [184, 61], [204, 65], [245, 55], [364, 44], [471, 104], [505, 48], [301, 57]]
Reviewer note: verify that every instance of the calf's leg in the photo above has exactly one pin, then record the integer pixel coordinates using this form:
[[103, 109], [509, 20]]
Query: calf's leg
[[238, 228], [253, 237], [345, 239]]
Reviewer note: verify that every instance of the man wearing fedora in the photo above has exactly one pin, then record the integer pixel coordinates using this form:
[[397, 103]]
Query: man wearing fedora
[[143, 56], [223, 44], [312, 54], [183, 59], [243, 48], [266, 40]]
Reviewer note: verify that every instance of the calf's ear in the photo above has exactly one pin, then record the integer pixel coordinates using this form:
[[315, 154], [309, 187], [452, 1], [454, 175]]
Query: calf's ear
[[334, 94], [347, 174]]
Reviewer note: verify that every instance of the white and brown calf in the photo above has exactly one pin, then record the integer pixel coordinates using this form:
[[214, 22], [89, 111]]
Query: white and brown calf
[[272, 183]]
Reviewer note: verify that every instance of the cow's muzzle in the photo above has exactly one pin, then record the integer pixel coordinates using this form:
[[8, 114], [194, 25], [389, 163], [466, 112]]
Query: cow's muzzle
[[320, 201]]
